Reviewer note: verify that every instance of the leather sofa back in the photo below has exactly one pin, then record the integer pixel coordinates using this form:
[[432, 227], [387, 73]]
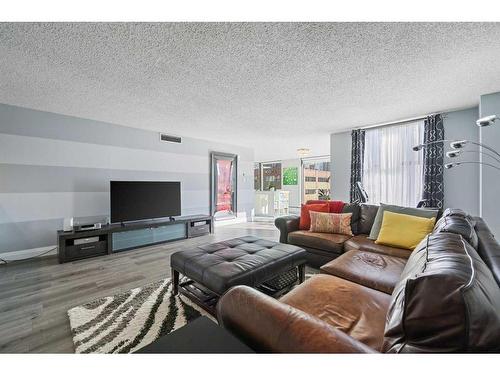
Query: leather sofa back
[[446, 301], [459, 225], [488, 248], [354, 209], [460, 213], [367, 216]]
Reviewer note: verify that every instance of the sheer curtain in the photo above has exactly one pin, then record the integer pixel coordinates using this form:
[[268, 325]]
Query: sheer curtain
[[392, 171]]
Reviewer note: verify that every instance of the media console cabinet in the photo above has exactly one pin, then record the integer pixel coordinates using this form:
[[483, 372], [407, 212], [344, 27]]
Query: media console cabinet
[[119, 237]]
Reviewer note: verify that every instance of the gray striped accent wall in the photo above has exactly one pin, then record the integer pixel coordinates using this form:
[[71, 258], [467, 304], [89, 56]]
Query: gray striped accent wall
[[54, 166]]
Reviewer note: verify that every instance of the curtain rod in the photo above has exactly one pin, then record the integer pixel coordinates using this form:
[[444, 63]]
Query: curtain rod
[[397, 122], [382, 124]]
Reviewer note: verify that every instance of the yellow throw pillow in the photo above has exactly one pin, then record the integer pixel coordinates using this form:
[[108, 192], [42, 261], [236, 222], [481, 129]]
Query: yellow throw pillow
[[404, 231]]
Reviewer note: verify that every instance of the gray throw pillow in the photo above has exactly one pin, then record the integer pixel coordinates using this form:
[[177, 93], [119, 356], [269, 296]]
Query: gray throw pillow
[[377, 223]]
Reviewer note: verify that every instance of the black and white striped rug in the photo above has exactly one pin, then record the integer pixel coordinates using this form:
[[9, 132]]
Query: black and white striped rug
[[128, 321]]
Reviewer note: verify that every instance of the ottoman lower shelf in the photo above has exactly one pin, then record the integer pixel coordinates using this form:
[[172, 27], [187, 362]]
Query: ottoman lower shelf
[[207, 299], [200, 295]]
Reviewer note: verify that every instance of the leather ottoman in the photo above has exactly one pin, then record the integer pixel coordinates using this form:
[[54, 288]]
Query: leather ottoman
[[377, 271], [245, 260]]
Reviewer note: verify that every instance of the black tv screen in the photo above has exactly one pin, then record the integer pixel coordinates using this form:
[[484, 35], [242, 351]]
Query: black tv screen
[[140, 200]]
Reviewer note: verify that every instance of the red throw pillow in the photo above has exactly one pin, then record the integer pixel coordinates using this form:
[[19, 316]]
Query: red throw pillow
[[335, 207], [305, 218]]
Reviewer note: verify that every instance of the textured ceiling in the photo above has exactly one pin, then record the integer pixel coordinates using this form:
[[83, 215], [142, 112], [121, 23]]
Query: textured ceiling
[[271, 86]]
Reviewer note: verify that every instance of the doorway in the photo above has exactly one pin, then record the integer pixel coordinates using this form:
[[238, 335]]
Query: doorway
[[223, 186]]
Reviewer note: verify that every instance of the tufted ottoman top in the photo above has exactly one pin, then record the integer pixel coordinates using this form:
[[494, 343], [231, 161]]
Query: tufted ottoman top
[[245, 260]]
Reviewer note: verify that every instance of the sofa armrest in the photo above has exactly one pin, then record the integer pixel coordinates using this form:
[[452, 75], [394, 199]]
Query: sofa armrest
[[287, 224], [268, 325]]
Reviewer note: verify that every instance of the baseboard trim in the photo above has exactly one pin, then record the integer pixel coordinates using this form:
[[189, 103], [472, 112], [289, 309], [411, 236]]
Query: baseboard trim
[[236, 220], [28, 253]]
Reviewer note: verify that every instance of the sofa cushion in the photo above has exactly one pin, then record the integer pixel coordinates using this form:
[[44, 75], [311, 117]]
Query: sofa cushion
[[446, 301], [330, 242], [354, 209], [352, 308], [305, 217], [459, 225], [376, 271], [377, 223], [361, 242], [367, 215]]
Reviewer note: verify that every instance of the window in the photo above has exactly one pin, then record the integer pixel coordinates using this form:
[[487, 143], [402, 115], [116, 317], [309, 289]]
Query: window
[[316, 178], [271, 176], [256, 176], [392, 171]]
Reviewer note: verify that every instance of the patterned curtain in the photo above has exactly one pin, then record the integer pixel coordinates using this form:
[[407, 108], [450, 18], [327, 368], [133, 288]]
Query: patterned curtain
[[357, 156], [433, 185]]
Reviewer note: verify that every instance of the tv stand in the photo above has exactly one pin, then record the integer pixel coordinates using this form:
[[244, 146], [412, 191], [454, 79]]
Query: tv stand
[[127, 236], [148, 221]]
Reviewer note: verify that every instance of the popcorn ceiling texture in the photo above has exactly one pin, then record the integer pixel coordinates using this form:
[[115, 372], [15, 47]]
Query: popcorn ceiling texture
[[271, 86]]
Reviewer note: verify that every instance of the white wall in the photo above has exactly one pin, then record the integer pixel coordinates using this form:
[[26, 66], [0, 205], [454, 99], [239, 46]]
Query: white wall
[[340, 154], [461, 184], [489, 177]]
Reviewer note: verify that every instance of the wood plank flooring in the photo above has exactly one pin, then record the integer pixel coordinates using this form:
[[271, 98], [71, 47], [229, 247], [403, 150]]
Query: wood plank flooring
[[35, 295]]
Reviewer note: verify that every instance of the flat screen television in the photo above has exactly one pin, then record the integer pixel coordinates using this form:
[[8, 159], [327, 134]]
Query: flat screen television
[[141, 200]]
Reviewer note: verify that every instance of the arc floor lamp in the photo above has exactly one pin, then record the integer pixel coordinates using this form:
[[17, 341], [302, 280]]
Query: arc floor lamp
[[457, 147]]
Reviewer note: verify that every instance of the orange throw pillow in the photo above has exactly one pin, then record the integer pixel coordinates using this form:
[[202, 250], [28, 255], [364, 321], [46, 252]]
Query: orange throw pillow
[[331, 223], [305, 217]]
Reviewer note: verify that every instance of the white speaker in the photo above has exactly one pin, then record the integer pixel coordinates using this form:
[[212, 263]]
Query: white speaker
[[68, 224]]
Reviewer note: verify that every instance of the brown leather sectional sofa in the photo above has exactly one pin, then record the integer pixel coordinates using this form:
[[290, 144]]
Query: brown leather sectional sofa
[[324, 247], [442, 297]]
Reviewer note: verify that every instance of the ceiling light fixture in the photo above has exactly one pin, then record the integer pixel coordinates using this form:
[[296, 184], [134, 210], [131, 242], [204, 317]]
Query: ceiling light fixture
[[303, 152]]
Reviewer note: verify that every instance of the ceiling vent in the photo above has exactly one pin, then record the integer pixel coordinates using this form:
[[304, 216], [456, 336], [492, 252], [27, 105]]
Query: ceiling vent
[[170, 138]]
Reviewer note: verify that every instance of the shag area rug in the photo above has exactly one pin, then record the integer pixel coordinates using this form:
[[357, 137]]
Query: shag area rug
[[128, 321]]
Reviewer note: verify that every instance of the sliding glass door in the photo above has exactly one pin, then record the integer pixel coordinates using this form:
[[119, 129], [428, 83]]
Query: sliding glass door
[[224, 185]]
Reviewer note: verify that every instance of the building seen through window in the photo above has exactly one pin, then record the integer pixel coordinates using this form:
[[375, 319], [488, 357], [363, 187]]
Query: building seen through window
[[316, 179]]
